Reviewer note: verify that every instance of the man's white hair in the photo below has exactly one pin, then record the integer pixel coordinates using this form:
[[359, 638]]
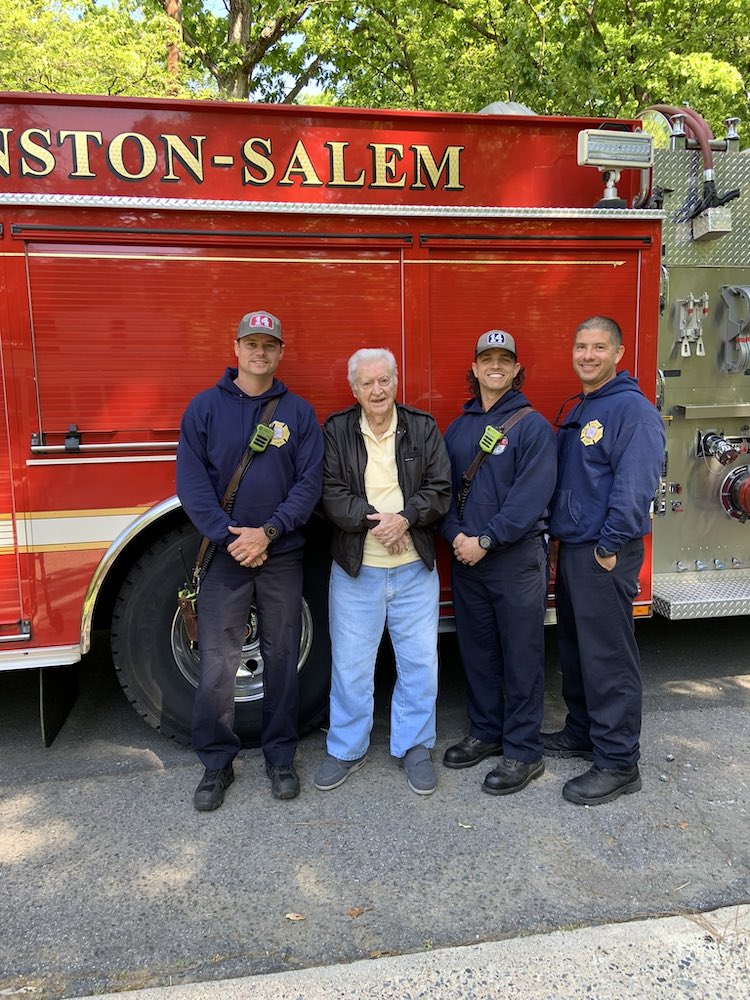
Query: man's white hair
[[366, 356]]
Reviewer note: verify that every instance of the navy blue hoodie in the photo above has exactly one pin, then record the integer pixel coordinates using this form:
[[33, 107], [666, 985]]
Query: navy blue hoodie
[[282, 485], [509, 496], [610, 457]]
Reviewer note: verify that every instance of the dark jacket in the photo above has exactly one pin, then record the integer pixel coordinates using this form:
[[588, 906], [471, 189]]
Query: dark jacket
[[423, 475], [282, 485], [513, 486], [610, 457]]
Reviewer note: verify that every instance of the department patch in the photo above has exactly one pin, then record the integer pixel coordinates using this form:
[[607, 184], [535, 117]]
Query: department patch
[[591, 433], [500, 448], [280, 434]]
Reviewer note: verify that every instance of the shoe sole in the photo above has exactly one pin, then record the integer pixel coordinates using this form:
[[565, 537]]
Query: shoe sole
[[495, 752], [599, 800], [516, 788], [355, 766], [421, 791], [585, 754]]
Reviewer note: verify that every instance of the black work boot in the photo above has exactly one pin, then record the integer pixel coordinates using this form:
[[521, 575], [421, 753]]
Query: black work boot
[[561, 745], [210, 791], [468, 752], [284, 780], [602, 784], [511, 776]]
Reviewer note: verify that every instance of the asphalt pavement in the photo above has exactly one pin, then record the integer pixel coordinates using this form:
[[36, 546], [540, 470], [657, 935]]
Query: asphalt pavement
[[110, 881]]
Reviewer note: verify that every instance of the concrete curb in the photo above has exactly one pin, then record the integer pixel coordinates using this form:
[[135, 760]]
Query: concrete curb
[[696, 956]]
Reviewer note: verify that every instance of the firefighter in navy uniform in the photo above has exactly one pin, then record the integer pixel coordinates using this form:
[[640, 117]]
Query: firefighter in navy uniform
[[499, 566], [258, 553], [610, 456]]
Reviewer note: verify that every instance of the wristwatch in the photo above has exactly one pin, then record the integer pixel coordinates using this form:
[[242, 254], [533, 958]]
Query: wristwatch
[[272, 532], [486, 543], [603, 552]]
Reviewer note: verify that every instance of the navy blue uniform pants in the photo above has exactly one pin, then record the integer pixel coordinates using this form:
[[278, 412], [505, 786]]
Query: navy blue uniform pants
[[226, 594], [601, 666], [500, 605]]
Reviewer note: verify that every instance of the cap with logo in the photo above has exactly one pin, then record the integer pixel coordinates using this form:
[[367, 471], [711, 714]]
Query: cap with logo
[[495, 338], [260, 322]]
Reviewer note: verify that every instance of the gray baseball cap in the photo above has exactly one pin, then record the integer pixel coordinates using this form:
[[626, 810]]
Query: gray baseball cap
[[260, 322], [496, 338]]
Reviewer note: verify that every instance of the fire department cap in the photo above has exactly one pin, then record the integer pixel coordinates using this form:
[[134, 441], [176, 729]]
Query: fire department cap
[[496, 338], [260, 322]]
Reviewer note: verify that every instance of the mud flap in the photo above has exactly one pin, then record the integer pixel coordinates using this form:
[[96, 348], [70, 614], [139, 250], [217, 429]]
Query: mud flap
[[58, 691]]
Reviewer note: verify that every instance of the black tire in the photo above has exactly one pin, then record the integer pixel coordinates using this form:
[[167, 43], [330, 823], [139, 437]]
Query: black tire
[[157, 668]]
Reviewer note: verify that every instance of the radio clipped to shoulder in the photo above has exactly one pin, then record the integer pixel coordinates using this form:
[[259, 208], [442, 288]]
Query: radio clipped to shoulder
[[261, 438], [491, 438]]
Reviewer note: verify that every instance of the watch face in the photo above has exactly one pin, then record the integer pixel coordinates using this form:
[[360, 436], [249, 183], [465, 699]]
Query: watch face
[[485, 542]]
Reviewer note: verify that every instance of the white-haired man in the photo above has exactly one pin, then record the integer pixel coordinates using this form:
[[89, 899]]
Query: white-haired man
[[386, 483]]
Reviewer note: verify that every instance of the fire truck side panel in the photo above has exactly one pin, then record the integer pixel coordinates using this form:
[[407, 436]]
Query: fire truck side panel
[[701, 535]]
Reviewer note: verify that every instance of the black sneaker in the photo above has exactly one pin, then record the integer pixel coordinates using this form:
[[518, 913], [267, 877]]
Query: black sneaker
[[468, 752], [560, 745], [210, 792], [284, 780], [602, 784], [511, 776]]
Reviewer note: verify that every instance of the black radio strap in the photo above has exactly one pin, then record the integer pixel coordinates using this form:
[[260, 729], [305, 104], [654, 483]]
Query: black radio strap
[[467, 478]]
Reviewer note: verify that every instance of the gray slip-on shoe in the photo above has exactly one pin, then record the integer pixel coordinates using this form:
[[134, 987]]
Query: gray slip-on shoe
[[333, 772], [420, 771]]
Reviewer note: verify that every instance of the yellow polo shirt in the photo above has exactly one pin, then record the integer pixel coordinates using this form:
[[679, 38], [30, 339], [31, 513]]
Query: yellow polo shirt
[[383, 492]]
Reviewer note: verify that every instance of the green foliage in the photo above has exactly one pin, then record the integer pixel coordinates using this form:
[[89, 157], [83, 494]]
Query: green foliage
[[600, 57], [78, 46]]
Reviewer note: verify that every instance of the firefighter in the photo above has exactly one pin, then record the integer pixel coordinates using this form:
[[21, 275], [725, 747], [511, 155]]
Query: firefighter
[[386, 483], [503, 478], [258, 549], [611, 452]]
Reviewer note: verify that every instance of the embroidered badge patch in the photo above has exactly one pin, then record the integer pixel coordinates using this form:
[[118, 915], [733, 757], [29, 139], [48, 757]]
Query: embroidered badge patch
[[591, 433], [280, 434]]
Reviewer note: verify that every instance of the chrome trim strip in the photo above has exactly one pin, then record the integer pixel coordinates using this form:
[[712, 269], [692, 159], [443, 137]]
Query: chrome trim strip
[[123, 539], [314, 208]]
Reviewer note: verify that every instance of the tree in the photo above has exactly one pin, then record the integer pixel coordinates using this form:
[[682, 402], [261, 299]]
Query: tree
[[78, 46], [601, 57]]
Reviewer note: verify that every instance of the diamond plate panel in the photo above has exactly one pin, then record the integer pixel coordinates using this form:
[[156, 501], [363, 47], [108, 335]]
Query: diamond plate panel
[[712, 594], [680, 172]]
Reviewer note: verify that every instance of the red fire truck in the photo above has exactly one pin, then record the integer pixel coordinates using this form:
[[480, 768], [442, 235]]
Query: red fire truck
[[135, 233]]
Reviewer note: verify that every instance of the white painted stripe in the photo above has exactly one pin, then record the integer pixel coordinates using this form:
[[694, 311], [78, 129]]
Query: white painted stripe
[[38, 531], [6, 533], [48, 656]]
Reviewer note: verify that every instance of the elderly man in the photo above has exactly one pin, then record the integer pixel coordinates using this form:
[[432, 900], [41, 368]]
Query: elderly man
[[611, 452], [386, 481], [496, 525], [258, 549]]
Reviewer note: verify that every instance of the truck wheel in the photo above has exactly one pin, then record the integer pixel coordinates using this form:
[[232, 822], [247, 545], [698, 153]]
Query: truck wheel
[[158, 667]]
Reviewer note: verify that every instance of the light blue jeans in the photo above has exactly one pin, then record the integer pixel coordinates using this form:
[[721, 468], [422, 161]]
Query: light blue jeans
[[406, 600]]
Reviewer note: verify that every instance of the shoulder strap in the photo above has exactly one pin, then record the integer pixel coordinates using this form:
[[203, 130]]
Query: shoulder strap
[[203, 557], [468, 477]]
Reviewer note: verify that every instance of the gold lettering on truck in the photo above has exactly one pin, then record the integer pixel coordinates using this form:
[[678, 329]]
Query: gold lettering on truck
[[81, 163], [255, 160], [36, 152], [191, 159], [425, 161], [300, 163], [385, 166], [146, 149], [338, 171]]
